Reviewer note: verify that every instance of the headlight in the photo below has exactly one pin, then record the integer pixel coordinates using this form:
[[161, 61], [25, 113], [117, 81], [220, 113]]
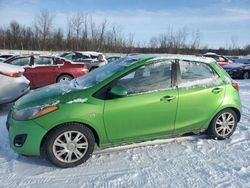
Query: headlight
[[33, 112]]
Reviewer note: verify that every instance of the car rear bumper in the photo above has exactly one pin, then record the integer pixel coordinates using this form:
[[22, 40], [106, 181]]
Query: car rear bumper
[[13, 88]]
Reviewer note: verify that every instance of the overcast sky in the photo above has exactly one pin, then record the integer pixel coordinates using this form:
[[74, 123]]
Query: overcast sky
[[217, 20]]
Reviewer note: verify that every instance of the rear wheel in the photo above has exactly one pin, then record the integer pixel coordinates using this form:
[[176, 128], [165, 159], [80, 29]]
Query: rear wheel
[[245, 75], [64, 77], [223, 125], [92, 68], [69, 145]]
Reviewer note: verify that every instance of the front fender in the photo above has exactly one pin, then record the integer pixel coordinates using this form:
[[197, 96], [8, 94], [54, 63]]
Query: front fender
[[84, 113]]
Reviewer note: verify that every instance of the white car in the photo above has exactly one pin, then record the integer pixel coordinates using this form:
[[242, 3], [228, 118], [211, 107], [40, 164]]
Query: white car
[[12, 83]]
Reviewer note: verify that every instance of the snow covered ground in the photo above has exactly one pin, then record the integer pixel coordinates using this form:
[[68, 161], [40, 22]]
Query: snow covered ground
[[193, 161]]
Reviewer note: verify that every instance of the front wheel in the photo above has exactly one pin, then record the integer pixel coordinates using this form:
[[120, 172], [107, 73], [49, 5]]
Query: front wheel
[[69, 145], [223, 125]]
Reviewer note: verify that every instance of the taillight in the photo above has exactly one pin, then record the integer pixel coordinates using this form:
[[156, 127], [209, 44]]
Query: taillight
[[235, 86], [85, 70], [12, 74]]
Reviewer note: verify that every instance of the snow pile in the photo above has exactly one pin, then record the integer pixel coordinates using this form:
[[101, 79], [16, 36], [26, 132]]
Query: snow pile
[[78, 101], [192, 161]]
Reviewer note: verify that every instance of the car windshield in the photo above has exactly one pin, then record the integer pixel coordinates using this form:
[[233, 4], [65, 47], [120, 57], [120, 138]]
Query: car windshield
[[243, 61], [63, 54], [98, 75]]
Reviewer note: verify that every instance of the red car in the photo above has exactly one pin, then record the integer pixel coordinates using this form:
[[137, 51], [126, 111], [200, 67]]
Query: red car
[[45, 70], [221, 60]]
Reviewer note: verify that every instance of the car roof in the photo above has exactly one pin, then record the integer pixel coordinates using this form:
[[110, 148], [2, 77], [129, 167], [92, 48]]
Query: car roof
[[1, 55], [210, 53], [89, 53], [173, 56]]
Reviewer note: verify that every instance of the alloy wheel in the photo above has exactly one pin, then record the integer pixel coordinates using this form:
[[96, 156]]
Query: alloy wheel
[[65, 78], [70, 146], [224, 124]]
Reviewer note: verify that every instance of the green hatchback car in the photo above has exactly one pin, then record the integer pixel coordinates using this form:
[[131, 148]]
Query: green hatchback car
[[133, 99]]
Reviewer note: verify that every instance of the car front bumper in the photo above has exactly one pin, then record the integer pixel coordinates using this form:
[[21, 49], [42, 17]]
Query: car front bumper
[[25, 137]]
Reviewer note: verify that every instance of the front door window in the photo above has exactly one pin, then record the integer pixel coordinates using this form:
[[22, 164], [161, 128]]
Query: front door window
[[147, 79]]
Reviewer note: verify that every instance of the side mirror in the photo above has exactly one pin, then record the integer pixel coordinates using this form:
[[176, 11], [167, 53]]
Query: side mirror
[[118, 91]]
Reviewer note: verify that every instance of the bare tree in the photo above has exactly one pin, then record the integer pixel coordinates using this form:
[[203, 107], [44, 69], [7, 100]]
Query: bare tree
[[102, 33], [44, 23], [153, 42], [234, 42], [3, 37], [77, 21], [180, 38], [15, 31], [195, 40], [84, 33]]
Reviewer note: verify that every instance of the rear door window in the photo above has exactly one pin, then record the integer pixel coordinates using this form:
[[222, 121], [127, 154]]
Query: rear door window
[[195, 73], [43, 61], [71, 57]]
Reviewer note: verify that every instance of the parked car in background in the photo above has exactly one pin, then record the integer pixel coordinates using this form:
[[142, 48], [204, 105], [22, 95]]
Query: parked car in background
[[11, 58], [233, 58], [45, 70], [239, 69], [12, 83], [110, 59], [134, 99], [221, 60], [80, 57], [3, 57], [92, 59]]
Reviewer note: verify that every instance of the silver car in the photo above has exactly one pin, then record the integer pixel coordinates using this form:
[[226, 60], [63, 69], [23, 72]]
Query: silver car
[[90, 58], [12, 83]]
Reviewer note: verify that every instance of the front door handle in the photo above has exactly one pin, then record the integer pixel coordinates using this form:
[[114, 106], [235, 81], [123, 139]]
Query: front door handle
[[167, 98], [217, 90]]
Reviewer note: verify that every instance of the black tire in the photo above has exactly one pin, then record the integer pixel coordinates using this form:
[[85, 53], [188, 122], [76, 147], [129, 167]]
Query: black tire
[[50, 144], [214, 129], [245, 75], [93, 68], [64, 77]]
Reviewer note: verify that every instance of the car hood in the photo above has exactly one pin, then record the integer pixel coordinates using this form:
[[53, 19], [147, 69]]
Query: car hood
[[234, 66], [49, 95]]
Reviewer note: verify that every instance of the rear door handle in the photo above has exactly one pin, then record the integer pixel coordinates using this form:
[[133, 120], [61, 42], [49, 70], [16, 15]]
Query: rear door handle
[[217, 90], [167, 98]]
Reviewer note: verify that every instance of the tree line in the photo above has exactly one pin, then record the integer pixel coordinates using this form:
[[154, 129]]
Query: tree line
[[83, 33]]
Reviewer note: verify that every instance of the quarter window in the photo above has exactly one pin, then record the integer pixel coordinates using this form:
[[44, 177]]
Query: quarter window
[[57, 61], [149, 78]]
